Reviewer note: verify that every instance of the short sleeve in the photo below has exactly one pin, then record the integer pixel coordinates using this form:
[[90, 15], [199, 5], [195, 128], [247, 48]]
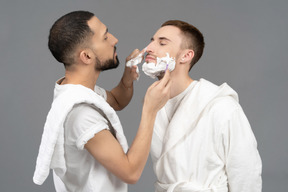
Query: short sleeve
[[82, 123], [100, 91]]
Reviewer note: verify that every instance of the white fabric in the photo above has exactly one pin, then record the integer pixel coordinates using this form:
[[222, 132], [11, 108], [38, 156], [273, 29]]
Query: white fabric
[[51, 152], [207, 145], [100, 91], [81, 124], [58, 183], [186, 186]]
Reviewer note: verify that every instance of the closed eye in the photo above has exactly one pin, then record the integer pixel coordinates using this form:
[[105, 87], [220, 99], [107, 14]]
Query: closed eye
[[163, 41]]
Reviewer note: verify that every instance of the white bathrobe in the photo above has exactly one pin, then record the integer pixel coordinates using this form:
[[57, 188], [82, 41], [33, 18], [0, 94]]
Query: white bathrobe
[[206, 145]]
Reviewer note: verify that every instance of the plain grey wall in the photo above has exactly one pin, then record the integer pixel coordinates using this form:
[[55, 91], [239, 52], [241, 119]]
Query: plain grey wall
[[246, 46]]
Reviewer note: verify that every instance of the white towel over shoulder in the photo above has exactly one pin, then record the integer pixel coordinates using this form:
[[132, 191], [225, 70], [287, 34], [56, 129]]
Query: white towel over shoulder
[[51, 151]]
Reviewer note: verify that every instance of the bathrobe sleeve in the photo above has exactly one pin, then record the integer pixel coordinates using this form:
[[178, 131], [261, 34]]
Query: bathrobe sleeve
[[242, 160]]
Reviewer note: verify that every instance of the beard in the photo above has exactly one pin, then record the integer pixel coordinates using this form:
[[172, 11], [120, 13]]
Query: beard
[[108, 64]]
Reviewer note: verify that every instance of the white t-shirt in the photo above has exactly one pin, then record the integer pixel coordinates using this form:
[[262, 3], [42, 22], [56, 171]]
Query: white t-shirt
[[173, 103], [84, 173]]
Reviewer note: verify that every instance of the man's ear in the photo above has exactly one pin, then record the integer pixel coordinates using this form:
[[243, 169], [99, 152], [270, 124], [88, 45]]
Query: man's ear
[[86, 56], [187, 56]]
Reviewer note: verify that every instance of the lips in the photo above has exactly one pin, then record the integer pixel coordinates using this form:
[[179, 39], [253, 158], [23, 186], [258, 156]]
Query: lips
[[150, 58]]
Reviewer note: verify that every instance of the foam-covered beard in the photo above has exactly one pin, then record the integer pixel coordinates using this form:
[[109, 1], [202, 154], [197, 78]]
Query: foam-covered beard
[[154, 70]]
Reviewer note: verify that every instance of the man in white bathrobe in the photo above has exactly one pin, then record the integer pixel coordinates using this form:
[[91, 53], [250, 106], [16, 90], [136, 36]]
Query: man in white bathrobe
[[202, 140], [83, 140]]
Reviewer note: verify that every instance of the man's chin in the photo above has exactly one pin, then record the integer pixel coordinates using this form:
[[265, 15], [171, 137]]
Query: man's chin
[[110, 64], [161, 75]]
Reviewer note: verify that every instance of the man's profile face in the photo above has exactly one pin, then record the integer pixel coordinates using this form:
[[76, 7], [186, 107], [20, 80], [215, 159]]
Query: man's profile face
[[103, 44], [166, 40]]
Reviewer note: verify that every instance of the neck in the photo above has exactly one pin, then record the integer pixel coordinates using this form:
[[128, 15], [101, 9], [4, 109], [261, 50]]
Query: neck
[[179, 84], [87, 79]]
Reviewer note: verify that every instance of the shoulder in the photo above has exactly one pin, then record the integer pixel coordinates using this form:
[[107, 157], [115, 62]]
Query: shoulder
[[84, 117], [85, 112], [82, 123], [223, 108], [225, 103], [223, 100]]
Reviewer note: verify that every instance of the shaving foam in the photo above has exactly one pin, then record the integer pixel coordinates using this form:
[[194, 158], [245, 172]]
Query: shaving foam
[[153, 70], [135, 61]]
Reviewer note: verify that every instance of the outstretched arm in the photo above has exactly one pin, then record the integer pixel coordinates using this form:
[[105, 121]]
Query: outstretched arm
[[106, 149], [120, 96]]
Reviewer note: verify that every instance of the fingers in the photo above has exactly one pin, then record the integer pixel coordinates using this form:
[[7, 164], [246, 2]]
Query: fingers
[[135, 58], [143, 50], [134, 72], [158, 93], [154, 85], [134, 53], [167, 84], [167, 88], [134, 67], [137, 53], [131, 70], [165, 80]]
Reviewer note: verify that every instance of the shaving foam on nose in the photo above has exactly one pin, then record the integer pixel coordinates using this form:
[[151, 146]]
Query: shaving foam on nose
[[153, 70]]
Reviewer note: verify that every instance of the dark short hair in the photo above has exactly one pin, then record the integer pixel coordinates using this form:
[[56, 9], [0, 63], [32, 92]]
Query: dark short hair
[[68, 32], [194, 38]]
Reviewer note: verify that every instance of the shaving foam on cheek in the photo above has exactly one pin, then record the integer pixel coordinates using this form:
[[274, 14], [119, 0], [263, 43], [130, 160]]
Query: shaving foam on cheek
[[153, 70]]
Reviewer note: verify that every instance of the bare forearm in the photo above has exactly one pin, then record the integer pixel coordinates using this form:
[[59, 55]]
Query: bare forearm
[[121, 95], [155, 98], [106, 149], [139, 151], [129, 167]]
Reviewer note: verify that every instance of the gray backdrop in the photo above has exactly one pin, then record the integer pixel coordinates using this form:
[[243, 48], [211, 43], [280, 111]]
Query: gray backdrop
[[246, 46]]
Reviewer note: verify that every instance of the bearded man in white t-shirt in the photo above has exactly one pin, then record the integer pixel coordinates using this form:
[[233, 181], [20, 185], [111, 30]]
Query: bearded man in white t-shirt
[[83, 141], [202, 140]]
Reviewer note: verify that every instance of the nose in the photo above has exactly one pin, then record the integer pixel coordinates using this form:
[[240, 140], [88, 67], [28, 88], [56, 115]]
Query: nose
[[149, 48], [114, 40]]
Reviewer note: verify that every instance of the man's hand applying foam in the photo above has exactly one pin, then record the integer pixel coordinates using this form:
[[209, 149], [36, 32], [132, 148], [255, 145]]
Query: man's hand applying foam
[[135, 58]]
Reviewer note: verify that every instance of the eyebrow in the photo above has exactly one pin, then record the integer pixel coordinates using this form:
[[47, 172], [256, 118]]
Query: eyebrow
[[161, 38]]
